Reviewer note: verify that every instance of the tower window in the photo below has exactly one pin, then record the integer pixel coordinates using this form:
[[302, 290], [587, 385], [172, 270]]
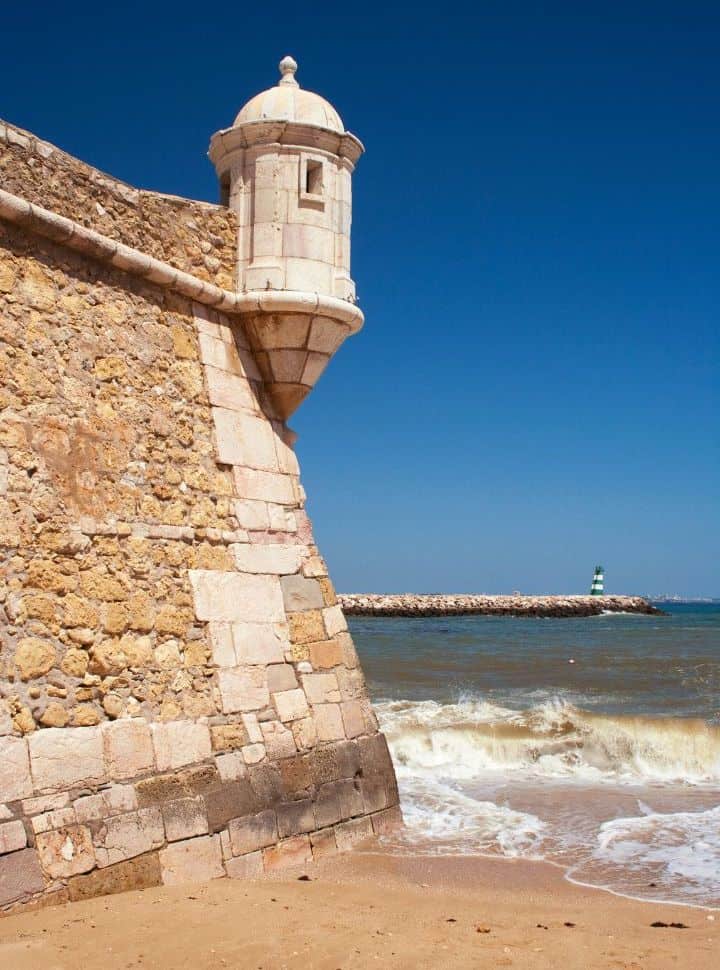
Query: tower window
[[314, 178], [312, 182]]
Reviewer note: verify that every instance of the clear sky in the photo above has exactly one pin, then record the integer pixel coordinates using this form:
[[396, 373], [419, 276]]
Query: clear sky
[[535, 243]]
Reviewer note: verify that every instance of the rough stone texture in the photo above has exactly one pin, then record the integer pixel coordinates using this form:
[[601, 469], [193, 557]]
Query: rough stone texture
[[140, 873], [20, 876], [196, 860], [179, 696], [413, 604], [66, 851]]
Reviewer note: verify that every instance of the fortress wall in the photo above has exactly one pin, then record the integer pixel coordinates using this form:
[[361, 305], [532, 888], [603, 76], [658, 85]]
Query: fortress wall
[[180, 699], [196, 237]]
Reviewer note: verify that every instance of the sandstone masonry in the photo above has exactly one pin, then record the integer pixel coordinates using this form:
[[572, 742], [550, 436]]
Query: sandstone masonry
[[180, 698]]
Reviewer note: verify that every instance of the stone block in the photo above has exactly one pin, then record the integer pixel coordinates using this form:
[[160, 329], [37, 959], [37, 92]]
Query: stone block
[[349, 654], [276, 558], [291, 704], [66, 852], [264, 486], [226, 390], [300, 593], [351, 800], [328, 806], [252, 515], [253, 754], [243, 689], [15, 779], [219, 353], [387, 821], [326, 335], [231, 766], [142, 872], [306, 627], [267, 783], [221, 644], [86, 809], [282, 519], [248, 866], [349, 834], [281, 677], [321, 688], [45, 803], [325, 654], [56, 819], [192, 861], [229, 800], [250, 723], [12, 836], [128, 748], [244, 439], [294, 818], [111, 801], [160, 789], [184, 818], [335, 761], [295, 851], [323, 843], [296, 774], [353, 718], [62, 758], [125, 836], [375, 755], [334, 620], [374, 791], [260, 643], [329, 722], [253, 832], [236, 597], [304, 733], [20, 876], [179, 743], [279, 741]]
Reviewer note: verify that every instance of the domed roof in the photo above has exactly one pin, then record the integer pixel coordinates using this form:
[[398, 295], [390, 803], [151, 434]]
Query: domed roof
[[289, 102]]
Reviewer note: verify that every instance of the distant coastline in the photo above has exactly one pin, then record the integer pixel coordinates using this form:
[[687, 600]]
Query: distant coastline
[[445, 604]]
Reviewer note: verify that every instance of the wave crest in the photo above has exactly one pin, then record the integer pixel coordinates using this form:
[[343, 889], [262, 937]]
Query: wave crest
[[463, 740]]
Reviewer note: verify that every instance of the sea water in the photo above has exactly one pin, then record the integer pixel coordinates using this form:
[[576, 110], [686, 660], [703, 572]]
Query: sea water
[[591, 743]]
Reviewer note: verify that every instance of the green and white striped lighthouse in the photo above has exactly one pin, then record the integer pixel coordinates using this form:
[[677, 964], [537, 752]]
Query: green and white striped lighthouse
[[597, 588]]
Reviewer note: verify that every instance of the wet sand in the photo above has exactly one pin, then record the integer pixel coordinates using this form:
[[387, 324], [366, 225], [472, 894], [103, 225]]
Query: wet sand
[[366, 910]]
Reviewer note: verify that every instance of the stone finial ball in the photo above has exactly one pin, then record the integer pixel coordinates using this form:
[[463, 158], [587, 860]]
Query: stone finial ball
[[288, 65]]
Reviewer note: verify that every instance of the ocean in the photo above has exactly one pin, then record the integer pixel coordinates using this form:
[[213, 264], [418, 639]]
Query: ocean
[[591, 743]]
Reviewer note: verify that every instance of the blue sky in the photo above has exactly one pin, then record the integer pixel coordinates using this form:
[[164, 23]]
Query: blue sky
[[535, 244]]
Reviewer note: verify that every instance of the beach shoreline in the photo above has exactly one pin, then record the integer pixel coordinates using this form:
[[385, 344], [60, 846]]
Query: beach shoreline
[[366, 909]]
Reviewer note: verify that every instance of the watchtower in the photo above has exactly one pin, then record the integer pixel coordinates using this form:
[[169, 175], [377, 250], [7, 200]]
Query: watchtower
[[285, 167]]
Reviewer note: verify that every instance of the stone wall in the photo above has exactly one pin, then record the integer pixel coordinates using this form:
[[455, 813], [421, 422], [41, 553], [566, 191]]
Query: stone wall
[[197, 237], [180, 698]]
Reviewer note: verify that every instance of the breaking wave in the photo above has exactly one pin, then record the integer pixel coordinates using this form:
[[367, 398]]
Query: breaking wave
[[462, 741]]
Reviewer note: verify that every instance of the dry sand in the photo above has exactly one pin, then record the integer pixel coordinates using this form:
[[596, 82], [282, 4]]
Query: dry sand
[[366, 911]]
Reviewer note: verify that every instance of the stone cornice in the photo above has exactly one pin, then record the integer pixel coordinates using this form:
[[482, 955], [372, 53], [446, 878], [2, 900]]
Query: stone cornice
[[253, 134], [66, 232]]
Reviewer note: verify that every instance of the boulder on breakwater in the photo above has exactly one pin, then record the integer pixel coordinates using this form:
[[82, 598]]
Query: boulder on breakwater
[[445, 604]]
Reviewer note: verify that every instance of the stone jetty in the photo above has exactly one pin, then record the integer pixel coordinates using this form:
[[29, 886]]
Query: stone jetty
[[445, 604]]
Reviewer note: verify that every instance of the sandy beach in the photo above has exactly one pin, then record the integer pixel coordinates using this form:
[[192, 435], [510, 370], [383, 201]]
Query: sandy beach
[[367, 910]]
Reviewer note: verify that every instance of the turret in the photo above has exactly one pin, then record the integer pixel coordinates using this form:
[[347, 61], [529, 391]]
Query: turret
[[285, 167]]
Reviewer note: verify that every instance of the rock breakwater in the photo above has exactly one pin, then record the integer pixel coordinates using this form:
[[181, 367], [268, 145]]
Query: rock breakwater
[[441, 604]]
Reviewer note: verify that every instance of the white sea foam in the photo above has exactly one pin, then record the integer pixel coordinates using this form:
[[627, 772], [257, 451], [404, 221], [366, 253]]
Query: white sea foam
[[678, 852], [463, 740], [440, 818]]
